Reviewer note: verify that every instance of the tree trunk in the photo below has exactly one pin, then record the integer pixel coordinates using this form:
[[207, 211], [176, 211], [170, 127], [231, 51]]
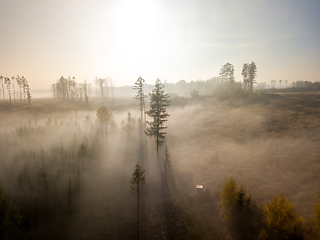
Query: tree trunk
[[138, 193]]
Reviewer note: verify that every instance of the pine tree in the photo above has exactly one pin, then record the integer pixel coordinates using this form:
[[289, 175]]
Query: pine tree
[[249, 73], [158, 112], [139, 86], [227, 73], [10, 218], [138, 178], [252, 74]]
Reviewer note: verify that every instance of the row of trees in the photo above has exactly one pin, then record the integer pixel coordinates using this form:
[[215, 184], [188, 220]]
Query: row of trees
[[9, 84], [249, 73], [276, 220], [68, 89], [104, 86]]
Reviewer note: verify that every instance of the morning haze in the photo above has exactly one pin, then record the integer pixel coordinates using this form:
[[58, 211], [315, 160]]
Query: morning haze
[[43, 40], [159, 120]]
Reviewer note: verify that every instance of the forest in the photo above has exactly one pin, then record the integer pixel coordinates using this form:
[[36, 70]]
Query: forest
[[228, 161]]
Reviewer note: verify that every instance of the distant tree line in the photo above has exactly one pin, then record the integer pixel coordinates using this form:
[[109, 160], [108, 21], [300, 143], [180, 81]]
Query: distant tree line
[[306, 85], [12, 86], [67, 89]]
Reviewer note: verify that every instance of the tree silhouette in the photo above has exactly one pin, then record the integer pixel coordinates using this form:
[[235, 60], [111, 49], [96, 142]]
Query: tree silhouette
[[138, 178], [158, 112], [2, 86], [104, 117], [252, 74], [249, 73], [8, 83], [139, 86], [316, 218], [239, 212], [227, 73], [10, 219]]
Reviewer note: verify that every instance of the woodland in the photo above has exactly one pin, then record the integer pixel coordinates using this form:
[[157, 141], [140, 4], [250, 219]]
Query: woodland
[[238, 163]]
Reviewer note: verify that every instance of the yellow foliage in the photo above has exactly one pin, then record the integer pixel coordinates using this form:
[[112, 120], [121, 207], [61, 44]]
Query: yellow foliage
[[316, 217], [228, 197], [280, 215]]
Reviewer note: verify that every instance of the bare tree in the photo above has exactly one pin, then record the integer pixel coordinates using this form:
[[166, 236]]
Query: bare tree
[[2, 86], [8, 84]]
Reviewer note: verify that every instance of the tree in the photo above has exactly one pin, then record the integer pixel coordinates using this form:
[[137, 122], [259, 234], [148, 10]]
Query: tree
[[227, 73], [8, 83], [10, 219], [19, 82], [100, 84], [316, 218], [104, 117], [85, 89], [228, 198], [138, 178], [2, 86], [158, 112], [14, 91], [252, 75], [240, 212], [139, 86], [245, 75], [282, 220], [249, 73]]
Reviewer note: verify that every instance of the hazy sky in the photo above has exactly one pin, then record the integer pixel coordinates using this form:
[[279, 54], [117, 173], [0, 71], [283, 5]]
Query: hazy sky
[[172, 40]]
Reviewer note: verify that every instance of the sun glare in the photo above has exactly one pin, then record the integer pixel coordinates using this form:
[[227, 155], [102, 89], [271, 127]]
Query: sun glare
[[138, 29]]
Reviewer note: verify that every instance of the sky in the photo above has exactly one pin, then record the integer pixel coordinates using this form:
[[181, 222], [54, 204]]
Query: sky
[[171, 40]]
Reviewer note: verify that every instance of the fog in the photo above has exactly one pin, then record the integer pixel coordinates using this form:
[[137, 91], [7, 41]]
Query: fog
[[270, 151], [70, 176]]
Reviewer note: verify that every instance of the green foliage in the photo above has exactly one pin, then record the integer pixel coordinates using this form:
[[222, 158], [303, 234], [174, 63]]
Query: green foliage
[[240, 212], [10, 219], [249, 73], [138, 178], [158, 112]]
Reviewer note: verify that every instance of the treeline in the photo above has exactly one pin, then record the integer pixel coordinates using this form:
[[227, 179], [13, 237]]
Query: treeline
[[67, 89], [306, 85], [10, 87]]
